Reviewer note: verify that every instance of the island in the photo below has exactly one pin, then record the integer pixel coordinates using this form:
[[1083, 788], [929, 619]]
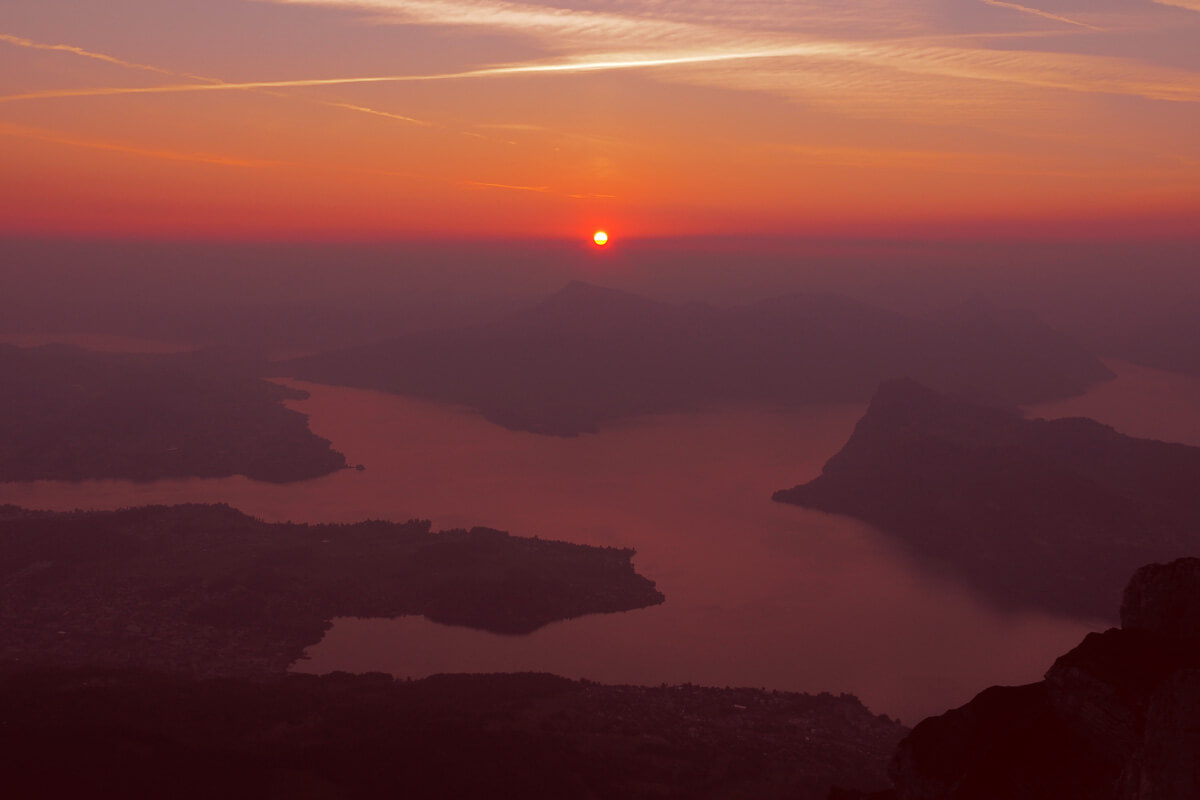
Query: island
[[1034, 513], [72, 414], [588, 356], [205, 590]]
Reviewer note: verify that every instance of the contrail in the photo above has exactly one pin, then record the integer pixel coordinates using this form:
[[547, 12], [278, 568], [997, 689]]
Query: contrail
[[1000, 66], [1191, 5], [1039, 13], [20, 41], [376, 112], [566, 67], [202, 87], [542, 189]]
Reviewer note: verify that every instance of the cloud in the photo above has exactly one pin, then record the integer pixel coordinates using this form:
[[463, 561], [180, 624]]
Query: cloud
[[663, 33], [980, 163], [1039, 13], [568, 28], [644, 22], [539, 189], [56, 137], [374, 112], [20, 41], [1066, 71], [1070, 72], [604, 63], [935, 76]]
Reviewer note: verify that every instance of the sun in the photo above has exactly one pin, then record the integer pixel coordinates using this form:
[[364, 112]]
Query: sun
[[601, 238]]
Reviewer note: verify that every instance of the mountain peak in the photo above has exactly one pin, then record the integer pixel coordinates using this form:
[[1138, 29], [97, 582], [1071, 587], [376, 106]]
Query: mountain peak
[[578, 290], [582, 303]]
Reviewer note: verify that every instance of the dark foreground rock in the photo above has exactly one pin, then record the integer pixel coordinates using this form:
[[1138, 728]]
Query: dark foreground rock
[[133, 735], [209, 591], [1164, 599], [1117, 718], [1048, 514]]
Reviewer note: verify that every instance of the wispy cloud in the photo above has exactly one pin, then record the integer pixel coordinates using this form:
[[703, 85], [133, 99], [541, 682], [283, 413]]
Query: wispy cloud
[[21, 41], [570, 28], [1039, 13], [211, 82], [977, 87], [932, 76], [1067, 71], [56, 137], [539, 189], [374, 112], [1070, 72], [978, 163], [604, 63], [706, 35], [215, 159], [647, 22], [1191, 5], [514, 126]]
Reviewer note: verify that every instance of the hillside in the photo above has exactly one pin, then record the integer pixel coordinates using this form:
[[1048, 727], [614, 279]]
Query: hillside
[[207, 590], [1049, 514], [71, 414], [138, 735]]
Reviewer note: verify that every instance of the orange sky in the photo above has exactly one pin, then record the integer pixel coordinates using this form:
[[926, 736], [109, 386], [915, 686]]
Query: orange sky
[[426, 118]]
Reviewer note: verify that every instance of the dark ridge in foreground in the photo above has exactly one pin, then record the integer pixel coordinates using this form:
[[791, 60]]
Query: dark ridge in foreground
[[139, 735], [588, 356], [209, 591], [71, 414], [1117, 718], [1049, 514]]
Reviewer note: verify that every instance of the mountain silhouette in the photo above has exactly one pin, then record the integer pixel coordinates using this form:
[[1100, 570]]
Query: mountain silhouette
[[589, 355], [1050, 514]]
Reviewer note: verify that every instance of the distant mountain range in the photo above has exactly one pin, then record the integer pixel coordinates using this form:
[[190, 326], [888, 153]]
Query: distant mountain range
[[588, 355], [1051, 514], [1168, 340]]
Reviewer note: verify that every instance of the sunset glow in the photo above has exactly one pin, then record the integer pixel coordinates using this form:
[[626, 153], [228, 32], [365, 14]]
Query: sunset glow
[[402, 118], [601, 238]]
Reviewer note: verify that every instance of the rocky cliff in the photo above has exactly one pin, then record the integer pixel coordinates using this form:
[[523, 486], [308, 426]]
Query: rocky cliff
[[1117, 718]]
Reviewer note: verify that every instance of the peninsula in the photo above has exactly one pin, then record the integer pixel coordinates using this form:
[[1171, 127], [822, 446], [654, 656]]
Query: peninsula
[[208, 591], [1035, 513]]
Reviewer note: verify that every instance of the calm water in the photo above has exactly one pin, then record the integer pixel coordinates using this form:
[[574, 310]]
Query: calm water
[[1143, 402], [758, 593], [99, 343]]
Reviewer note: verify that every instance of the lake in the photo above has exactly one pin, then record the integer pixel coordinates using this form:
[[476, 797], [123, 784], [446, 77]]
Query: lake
[[758, 593]]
